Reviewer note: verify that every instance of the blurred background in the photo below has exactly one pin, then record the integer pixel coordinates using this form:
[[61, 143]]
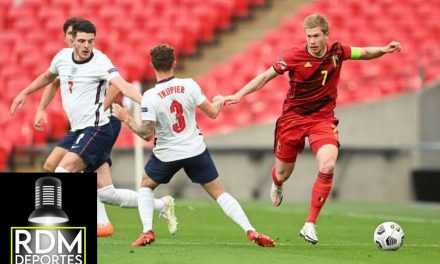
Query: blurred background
[[388, 107]]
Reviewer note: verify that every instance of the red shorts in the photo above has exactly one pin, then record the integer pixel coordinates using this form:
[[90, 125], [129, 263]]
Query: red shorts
[[292, 129]]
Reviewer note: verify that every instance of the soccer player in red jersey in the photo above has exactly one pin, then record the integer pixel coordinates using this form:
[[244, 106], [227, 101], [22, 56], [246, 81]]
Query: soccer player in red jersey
[[314, 71]]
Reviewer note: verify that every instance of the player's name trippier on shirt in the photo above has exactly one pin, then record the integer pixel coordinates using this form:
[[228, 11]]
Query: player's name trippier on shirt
[[171, 90]]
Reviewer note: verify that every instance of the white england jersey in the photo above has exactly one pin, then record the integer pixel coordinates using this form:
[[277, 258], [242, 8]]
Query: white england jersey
[[83, 85], [171, 104]]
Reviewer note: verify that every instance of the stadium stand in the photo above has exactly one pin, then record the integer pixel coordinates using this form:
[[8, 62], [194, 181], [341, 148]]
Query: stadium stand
[[365, 25], [124, 27]]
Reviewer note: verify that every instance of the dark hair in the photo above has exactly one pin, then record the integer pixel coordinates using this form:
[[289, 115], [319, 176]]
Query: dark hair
[[69, 22], [83, 26], [162, 57]]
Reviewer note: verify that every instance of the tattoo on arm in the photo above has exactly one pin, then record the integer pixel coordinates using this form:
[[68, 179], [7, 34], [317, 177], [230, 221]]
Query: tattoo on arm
[[145, 130]]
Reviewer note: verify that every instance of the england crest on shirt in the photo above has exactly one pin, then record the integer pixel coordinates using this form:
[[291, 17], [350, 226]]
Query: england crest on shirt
[[74, 70]]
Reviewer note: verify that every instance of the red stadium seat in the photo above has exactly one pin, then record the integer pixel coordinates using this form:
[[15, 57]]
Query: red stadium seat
[[17, 13], [204, 26], [225, 10], [5, 150], [241, 8], [63, 4]]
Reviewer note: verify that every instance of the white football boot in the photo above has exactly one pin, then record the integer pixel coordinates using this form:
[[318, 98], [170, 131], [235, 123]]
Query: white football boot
[[308, 232], [276, 194], [167, 213]]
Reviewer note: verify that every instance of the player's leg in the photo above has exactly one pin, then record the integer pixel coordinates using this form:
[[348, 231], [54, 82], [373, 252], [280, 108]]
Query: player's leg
[[108, 193], [146, 201], [324, 143], [201, 169], [126, 198], [105, 227], [280, 173], [156, 172], [229, 204], [129, 198], [59, 152], [54, 159], [288, 143], [91, 148], [326, 156], [71, 162], [233, 210]]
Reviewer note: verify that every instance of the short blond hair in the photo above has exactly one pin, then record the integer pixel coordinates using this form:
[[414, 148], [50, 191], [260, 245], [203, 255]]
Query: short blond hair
[[316, 20]]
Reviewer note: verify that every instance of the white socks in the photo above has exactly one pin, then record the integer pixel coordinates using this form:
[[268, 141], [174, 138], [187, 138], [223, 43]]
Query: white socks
[[159, 205], [124, 198], [146, 204], [102, 214], [120, 197], [233, 210]]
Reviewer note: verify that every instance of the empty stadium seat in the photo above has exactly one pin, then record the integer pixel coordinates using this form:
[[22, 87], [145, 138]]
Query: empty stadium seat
[[129, 27]]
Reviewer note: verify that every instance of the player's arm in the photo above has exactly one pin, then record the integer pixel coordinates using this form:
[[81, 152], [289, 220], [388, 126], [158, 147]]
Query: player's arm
[[111, 95], [251, 86], [144, 130], [48, 94], [126, 88], [40, 82], [211, 109], [47, 97], [368, 53]]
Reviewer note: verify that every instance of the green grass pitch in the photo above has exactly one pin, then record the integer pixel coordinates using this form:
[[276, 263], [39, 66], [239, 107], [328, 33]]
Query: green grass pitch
[[206, 235]]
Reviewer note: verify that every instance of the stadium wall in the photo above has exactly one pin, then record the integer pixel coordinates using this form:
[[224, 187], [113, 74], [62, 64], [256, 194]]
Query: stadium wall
[[381, 145]]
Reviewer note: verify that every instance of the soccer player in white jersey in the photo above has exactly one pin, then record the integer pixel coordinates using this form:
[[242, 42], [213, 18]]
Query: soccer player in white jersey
[[106, 191], [169, 109]]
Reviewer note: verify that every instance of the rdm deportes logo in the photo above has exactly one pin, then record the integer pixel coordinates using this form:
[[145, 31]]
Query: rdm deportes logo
[[48, 239]]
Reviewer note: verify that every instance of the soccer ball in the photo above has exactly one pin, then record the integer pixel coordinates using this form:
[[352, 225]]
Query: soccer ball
[[389, 236]]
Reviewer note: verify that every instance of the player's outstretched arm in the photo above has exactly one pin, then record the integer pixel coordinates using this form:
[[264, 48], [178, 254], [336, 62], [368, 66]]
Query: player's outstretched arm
[[111, 95], [126, 88], [47, 97], [144, 130], [368, 53], [251, 86], [41, 81], [211, 109]]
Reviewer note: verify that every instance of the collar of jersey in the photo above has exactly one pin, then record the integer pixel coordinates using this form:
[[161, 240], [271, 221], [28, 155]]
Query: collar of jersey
[[166, 80], [84, 61], [316, 56]]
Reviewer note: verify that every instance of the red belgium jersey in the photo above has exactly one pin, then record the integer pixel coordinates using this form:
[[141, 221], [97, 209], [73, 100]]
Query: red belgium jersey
[[313, 81]]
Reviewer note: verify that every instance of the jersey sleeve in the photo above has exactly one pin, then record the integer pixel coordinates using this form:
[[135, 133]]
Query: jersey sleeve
[[148, 111], [282, 64], [109, 71], [53, 65], [347, 52], [199, 96]]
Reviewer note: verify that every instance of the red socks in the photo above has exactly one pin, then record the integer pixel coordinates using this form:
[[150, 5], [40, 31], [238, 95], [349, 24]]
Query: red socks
[[274, 178], [320, 192]]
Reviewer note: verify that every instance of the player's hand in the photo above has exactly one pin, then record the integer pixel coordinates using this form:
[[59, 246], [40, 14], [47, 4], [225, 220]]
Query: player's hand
[[40, 120], [218, 101], [231, 99], [18, 102], [121, 113], [392, 47]]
